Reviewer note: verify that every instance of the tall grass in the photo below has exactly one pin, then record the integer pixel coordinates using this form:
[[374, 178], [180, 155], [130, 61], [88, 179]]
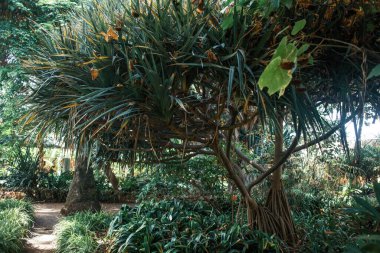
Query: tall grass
[[79, 233], [16, 218]]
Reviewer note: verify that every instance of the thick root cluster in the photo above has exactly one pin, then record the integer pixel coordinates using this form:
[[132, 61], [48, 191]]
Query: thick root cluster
[[275, 217]]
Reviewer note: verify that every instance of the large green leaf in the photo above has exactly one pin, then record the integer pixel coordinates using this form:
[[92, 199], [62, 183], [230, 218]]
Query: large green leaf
[[374, 72], [298, 26], [287, 51], [368, 207], [228, 22], [275, 77]]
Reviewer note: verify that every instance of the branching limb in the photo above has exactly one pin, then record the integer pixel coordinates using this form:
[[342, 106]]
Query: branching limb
[[326, 135], [248, 160], [277, 165]]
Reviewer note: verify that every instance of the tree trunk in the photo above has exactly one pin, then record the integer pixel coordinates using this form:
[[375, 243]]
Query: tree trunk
[[358, 127], [111, 177], [41, 153], [277, 202], [82, 194], [66, 164]]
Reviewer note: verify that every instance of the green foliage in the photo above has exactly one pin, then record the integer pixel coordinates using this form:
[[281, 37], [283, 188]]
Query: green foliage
[[79, 233], [324, 231], [278, 74], [133, 184], [371, 212], [298, 26], [16, 219], [374, 72], [177, 226], [198, 177], [23, 170], [370, 163], [24, 206], [126, 63], [51, 180], [21, 22], [368, 209], [103, 186]]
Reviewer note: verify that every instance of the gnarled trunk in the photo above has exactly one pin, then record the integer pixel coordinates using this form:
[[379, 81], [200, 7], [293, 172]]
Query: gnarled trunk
[[277, 202], [82, 194]]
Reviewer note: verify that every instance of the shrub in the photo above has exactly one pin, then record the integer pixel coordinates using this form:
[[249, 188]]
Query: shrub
[[24, 172], [133, 184], [179, 226], [79, 233], [23, 169], [199, 177], [16, 219], [367, 210], [326, 231], [24, 206]]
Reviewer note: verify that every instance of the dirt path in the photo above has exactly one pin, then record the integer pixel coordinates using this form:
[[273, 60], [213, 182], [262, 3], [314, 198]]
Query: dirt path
[[47, 215]]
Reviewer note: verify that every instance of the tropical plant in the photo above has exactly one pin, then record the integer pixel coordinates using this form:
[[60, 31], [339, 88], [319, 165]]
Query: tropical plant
[[200, 177], [178, 226], [164, 81], [16, 219], [367, 243], [370, 210], [81, 231], [24, 168]]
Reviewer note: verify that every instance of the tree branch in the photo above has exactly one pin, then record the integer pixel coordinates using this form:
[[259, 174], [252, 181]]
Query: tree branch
[[277, 165], [326, 135], [249, 161]]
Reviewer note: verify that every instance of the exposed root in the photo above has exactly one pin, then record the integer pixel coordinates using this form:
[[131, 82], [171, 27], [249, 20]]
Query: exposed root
[[277, 204]]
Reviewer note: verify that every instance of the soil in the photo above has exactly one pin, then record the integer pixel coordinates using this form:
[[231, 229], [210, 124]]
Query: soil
[[42, 238]]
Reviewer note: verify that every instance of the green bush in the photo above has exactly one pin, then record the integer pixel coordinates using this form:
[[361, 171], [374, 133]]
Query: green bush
[[179, 226], [52, 180], [16, 220], [23, 170], [367, 210], [199, 177], [14, 203], [133, 184], [79, 233], [326, 231]]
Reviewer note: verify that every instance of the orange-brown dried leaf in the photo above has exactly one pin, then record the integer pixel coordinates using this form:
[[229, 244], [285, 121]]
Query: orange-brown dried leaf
[[211, 56], [111, 33], [287, 65], [94, 74]]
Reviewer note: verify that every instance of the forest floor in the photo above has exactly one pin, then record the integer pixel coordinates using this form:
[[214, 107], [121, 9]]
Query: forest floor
[[47, 215]]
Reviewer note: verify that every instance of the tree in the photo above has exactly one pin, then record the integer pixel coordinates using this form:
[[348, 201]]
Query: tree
[[168, 80]]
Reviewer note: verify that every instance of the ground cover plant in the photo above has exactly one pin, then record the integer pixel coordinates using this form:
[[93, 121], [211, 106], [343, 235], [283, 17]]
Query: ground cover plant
[[16, 219], [81, 232], [182, 226]]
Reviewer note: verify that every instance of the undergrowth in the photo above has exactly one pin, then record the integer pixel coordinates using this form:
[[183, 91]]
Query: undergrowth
[[81, 232], [180, 226], [16, 218]]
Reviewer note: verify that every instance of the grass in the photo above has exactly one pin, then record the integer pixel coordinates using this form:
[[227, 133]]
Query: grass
[[80, 233], [16, 218]]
